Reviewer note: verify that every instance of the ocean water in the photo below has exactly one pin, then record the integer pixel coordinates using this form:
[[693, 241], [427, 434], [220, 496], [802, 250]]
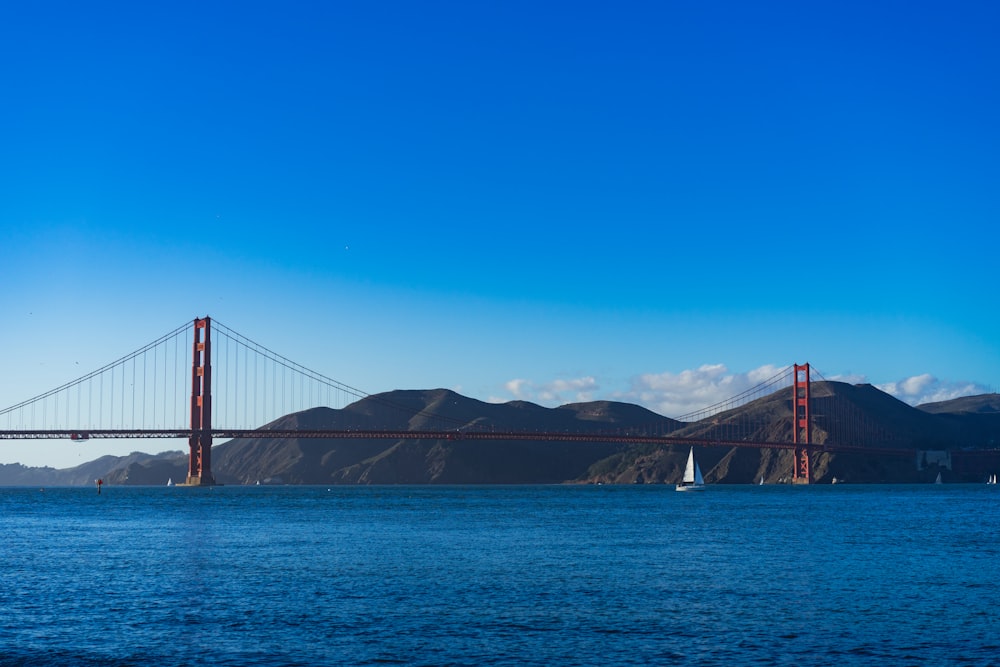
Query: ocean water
[[527, 575]]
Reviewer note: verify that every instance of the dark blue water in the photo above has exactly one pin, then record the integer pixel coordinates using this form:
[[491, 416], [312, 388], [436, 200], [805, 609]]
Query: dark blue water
[[845, 575]]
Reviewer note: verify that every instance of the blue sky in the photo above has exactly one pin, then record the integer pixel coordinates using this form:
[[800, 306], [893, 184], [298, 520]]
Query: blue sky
[[548, 201]]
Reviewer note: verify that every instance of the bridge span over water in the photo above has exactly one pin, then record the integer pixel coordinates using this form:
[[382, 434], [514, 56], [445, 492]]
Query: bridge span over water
[[230, 385]]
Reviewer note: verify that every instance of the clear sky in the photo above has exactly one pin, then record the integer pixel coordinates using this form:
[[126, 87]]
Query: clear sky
[[553, 201]]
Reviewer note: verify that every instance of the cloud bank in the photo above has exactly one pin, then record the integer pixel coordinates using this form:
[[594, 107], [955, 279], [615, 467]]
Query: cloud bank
[[551, 393], [676, 394], [670, 394], [928, 389]]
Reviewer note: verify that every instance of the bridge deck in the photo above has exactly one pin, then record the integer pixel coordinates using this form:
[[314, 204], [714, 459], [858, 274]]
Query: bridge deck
[[546, 436]]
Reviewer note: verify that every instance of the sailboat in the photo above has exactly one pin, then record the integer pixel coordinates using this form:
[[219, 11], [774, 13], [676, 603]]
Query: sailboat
[[992, 481], [693, 480], [170, 481], [938, 480]]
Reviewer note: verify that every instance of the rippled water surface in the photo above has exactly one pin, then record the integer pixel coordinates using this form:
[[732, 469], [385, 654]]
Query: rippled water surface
[[846, 575]]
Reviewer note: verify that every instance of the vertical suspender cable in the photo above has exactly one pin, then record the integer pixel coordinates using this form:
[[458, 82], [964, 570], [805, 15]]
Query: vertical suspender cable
[[155, 424], [256, 409], [166, 353], [246, 367], [177, 396]]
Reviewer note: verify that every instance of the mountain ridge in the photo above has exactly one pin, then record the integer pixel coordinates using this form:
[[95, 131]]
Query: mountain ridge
[[971, 423]]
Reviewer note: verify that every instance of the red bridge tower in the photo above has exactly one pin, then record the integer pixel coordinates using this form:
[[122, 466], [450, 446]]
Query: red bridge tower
[[801, 425], [200, 442]]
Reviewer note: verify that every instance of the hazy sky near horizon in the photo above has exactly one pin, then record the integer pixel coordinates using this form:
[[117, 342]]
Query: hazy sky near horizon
[[654, 202]]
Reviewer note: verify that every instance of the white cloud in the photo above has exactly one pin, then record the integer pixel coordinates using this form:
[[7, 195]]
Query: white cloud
[[687, 391], [919, 389], [676, 394], [849, 378], [926, 388], [552, 393], [670, 394], [518, 388], [916, 385]]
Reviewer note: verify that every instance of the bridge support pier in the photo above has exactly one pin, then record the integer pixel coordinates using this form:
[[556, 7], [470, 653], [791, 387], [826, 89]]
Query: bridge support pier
[[801, 425], [200, 442]]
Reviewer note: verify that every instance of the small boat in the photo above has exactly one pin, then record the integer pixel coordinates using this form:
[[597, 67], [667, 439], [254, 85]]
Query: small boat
[[693, 480]]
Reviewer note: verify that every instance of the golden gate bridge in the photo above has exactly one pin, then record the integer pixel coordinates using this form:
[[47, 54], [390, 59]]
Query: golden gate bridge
[[233, 387]]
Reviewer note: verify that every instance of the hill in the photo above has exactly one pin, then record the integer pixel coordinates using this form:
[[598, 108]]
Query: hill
[[981, 404], [842, 413], [456, 461], [136, 468]]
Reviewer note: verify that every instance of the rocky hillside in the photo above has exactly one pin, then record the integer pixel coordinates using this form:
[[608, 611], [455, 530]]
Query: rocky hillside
[[984, 404], [860, 415], [454, 461]]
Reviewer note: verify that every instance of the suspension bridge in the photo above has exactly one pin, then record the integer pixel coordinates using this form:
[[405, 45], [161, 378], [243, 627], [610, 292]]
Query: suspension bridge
[[233, 387]]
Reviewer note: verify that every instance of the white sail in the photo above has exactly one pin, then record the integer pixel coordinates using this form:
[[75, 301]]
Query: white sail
[[691, 469], [693, 481]]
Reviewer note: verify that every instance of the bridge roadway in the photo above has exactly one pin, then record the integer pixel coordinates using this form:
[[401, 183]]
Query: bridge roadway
[[549, 436]]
